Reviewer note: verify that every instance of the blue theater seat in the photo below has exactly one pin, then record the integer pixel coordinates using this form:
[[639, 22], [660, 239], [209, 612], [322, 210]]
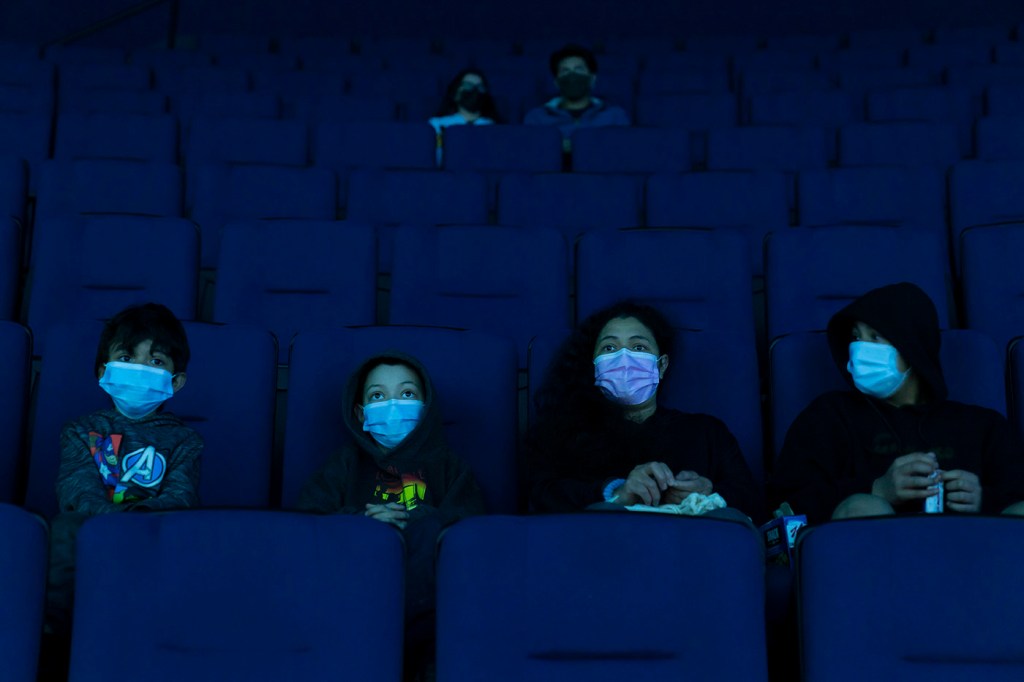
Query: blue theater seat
[[810, 273], [244, 595], [884, 195], [710, 200], [16, 345], [631, 150], [855, 575], [68, 188], [507, 281], [571, 202], [991, 282], [23, 572], [124, 136], [550, 583], [87, 268], [289, 275], [983, 193], [219, 194], [246, 140], [906, 143], [507, 149]]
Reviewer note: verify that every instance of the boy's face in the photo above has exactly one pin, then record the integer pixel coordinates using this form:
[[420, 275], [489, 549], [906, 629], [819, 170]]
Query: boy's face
[[143, 353]]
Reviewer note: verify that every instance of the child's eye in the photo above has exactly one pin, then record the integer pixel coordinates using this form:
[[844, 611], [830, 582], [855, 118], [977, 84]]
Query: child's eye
[[640, 348], [157, 362], [377, 395], [409, 394], [124, 357]]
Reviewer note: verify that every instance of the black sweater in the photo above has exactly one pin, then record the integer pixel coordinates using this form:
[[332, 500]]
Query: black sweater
[[569, 477]]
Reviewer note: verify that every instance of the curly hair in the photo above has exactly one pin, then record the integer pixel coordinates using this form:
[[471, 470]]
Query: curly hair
[[487, 106], [567, 399]]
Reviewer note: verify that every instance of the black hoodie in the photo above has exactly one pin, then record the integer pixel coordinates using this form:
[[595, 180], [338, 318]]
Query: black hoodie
[[844, 440], [421, 471]]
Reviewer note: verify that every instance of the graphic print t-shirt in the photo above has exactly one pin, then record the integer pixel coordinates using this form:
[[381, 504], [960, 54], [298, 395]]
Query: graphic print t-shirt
[[127, 477]]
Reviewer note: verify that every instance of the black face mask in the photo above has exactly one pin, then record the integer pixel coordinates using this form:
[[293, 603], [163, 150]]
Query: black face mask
[[470, 99], [574, 86]]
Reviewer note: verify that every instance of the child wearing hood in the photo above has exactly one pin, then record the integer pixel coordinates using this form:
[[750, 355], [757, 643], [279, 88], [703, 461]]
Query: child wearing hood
[[399, 470], [884, 447]]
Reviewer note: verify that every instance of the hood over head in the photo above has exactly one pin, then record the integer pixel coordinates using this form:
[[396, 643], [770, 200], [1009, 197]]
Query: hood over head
[[905, 315], [427, 433]]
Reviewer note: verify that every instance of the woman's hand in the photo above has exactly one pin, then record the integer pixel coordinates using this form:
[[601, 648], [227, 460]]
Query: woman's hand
[[645, 484], [393, 513], [686, 482]]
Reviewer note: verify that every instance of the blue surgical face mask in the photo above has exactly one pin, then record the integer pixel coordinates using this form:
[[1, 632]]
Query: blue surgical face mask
[[390, 421], [873, 368], [137, 390]]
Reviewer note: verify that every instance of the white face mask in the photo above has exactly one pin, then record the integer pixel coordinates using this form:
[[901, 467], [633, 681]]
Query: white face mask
[[873, 368], [137, 390]]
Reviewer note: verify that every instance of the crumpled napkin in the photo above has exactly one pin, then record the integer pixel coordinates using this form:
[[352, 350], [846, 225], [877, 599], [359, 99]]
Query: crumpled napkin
[[695, 504]]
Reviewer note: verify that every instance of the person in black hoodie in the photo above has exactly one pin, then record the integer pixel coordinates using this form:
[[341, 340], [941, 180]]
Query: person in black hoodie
[[882, 448], [399, 470], [601, 436]]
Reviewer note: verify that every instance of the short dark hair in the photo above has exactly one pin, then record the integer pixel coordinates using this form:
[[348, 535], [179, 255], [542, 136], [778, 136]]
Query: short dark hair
[[390, 360], [571, 50], [136, 324]]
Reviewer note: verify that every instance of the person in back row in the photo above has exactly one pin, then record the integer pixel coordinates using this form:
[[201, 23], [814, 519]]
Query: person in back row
[[889, 445], [601, 436], [575, 72]]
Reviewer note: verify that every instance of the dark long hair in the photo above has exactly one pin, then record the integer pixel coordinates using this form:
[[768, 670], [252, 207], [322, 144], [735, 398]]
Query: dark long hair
[[450, 106], [568, 400]]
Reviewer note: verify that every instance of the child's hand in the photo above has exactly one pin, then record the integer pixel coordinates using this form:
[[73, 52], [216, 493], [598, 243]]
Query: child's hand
[[393, 513]]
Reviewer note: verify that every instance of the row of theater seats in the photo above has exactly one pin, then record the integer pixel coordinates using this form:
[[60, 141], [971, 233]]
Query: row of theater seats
[[216, 194], [232, 399], [293, 276], [250, 595], [779, 141], [705, 93]]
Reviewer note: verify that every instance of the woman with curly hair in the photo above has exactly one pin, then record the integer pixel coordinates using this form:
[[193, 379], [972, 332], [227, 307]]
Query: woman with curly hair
[[601, 437]]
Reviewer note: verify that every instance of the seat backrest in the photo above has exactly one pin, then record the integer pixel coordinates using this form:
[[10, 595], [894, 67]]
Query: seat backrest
[[709, 200], [700, 279], [126, 136], [983, 193], [374, 144], [507, 281], [220, 193], [897, 196], [571, 202], [505, 148], [904, 143], [290, 275], [88, 268], [801, 368], [474, 377], [428, 198], [846, 590], [631, 150], [543, 622], [16, 346], [810, 273], [248, 595], [108, 186], [991, 282], [1000, 137], [773, 148], [246, 140], [23, 572]]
